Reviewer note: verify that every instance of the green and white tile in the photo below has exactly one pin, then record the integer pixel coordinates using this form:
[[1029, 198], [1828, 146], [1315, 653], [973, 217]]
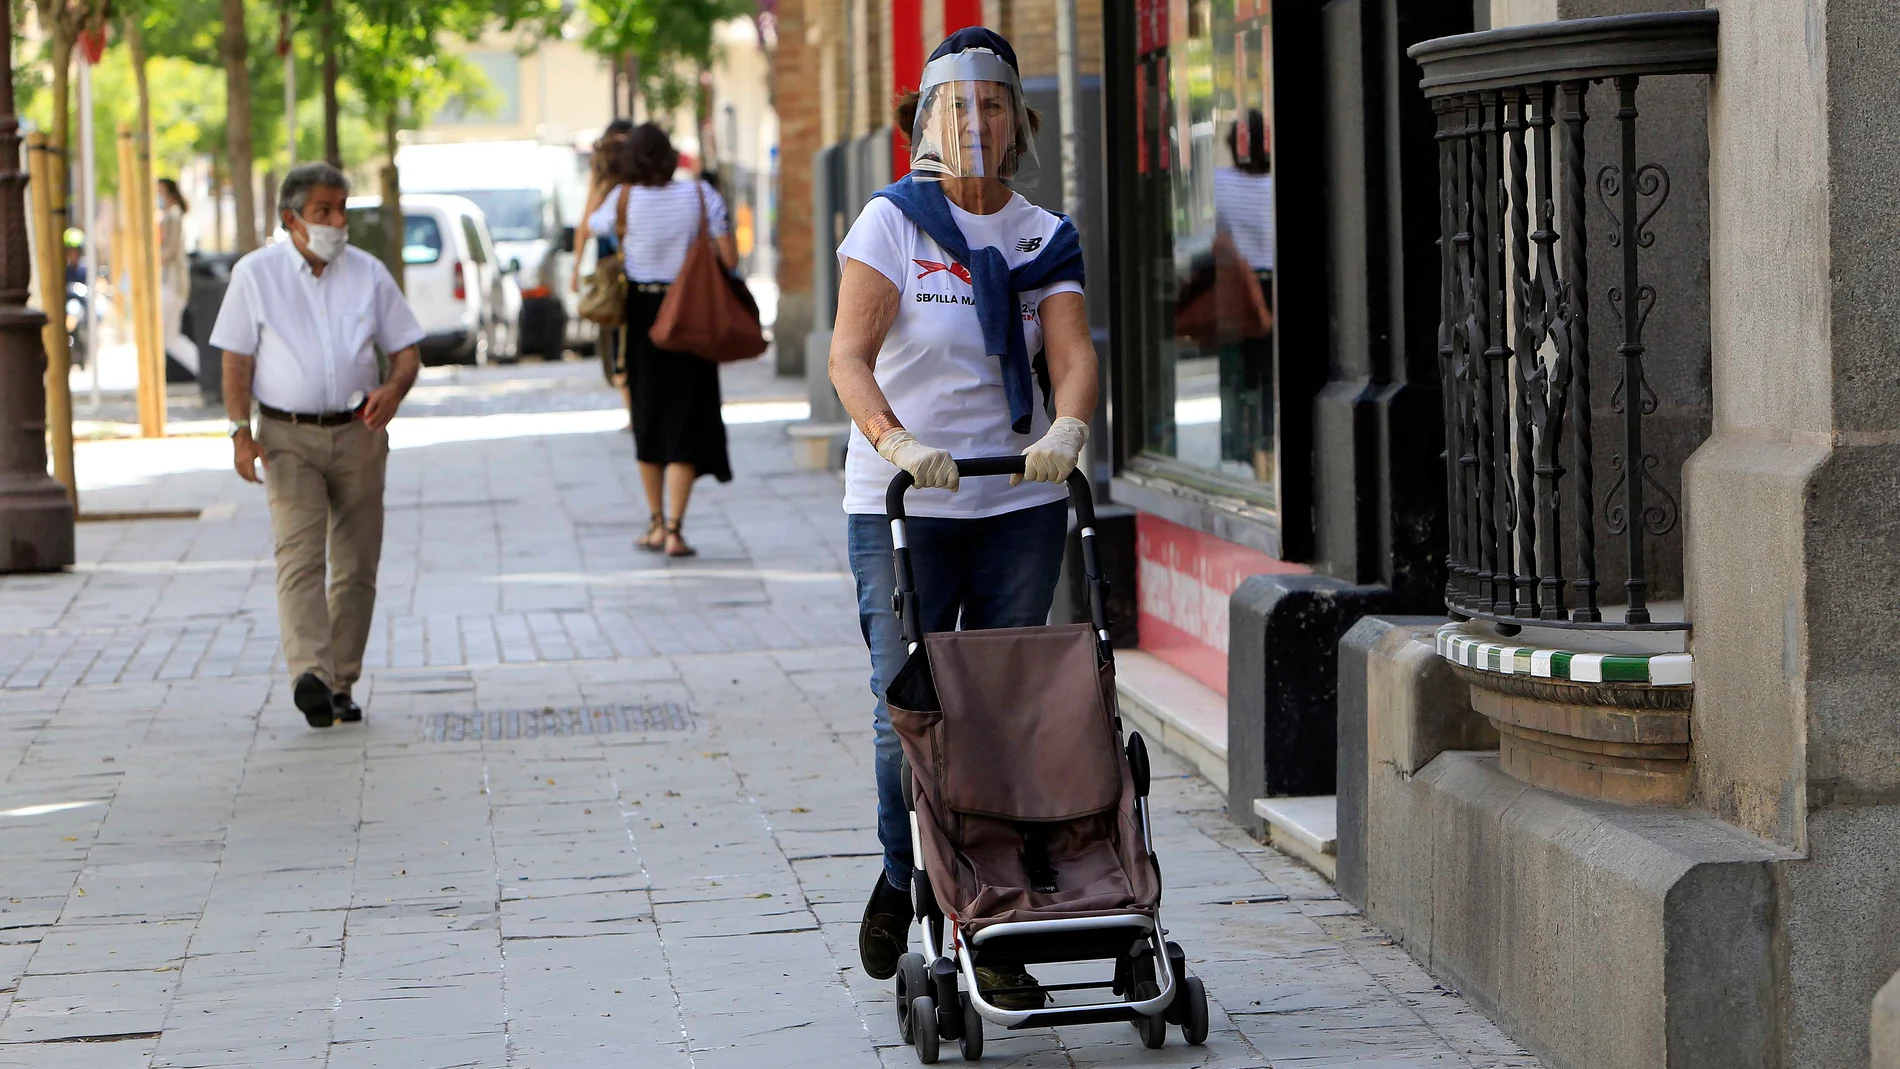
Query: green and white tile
[[1458, 644]]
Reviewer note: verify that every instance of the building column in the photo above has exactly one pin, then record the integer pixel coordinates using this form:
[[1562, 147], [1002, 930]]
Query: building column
[[1793, 539]]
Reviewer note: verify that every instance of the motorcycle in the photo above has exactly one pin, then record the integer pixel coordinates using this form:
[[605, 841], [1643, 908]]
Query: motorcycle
[[78, 296]]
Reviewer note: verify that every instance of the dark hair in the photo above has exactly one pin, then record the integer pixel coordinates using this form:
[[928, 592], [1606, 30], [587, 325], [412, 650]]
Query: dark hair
[[1259, 158], [171, 188], [618, 126], [906, 114], [647, 157]]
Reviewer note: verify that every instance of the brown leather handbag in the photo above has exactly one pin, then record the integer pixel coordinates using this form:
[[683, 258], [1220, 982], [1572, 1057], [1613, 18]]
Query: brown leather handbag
[[1222, 303], [604, 301], [702, 313]]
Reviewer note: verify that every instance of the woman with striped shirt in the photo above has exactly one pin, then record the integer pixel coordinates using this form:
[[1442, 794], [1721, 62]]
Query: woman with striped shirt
[[674, 397]]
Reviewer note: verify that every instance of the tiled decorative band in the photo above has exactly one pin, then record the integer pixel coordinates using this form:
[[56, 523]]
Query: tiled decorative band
[[1458, 646]]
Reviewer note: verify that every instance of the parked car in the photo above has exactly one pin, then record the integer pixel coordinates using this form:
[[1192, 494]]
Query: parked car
[[531, 195], [462, 291]]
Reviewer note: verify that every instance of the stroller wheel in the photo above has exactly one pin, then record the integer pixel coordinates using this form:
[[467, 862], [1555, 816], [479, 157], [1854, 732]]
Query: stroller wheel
[[1194, 1021], [1153, 1029], [910, 983], [971, 1042], [923, 1027]]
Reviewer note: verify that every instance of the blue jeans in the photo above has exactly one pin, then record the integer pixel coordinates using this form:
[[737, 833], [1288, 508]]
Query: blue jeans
[[997, 571]]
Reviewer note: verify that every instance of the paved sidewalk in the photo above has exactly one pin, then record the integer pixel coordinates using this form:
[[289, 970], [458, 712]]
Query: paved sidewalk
[[606, 810]]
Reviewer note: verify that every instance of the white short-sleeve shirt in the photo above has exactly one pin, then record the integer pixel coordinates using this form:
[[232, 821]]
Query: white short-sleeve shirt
[[941, 384], [662, 222], [313, 338]]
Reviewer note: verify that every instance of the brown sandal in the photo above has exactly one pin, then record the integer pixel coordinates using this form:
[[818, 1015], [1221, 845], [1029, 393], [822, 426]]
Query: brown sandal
[[673, 533], [655, 538]]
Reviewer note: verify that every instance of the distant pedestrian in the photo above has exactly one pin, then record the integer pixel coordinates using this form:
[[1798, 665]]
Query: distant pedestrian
[[174, 275], [299, 328], [603, 174], [601, 179], [674, 397]]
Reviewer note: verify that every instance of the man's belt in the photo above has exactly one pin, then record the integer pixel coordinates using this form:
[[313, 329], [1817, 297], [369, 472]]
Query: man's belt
[[318, 419]]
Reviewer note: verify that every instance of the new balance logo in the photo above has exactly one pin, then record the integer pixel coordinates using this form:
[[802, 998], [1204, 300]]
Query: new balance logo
[[1029, 244]]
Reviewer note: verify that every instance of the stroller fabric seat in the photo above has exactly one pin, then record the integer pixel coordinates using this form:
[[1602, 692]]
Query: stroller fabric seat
[[1025, 808]]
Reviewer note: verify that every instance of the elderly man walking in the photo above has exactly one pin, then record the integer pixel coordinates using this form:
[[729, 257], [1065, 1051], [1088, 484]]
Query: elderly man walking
[[299, 328]]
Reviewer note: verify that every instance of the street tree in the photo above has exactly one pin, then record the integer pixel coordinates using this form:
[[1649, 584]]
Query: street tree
[[63, 21], [395, 56], [671, 42], [234, 48]]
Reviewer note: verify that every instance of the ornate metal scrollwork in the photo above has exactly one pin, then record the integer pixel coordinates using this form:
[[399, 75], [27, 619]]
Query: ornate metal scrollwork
[[1515, 353], [1659, 517]]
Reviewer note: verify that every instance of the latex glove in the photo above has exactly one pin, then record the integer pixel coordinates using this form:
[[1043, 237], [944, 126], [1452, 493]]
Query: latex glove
[[934, 469], [1053, 457]]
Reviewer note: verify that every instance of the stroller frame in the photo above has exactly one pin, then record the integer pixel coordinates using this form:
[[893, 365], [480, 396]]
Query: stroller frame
[[931, 1003]]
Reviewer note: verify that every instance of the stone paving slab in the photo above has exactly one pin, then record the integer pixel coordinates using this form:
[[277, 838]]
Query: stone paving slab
[[194, 878]]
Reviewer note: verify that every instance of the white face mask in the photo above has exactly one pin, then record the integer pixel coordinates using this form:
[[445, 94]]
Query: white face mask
[[324, 242]]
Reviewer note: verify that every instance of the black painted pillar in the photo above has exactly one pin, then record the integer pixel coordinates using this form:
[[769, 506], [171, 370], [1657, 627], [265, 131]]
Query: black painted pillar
[[1375, 499]]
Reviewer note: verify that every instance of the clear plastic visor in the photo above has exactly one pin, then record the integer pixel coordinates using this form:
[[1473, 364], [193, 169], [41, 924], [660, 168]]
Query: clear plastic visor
[[972, 129]]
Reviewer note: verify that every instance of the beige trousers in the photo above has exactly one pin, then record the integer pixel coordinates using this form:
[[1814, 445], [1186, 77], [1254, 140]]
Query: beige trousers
[[325, 486]]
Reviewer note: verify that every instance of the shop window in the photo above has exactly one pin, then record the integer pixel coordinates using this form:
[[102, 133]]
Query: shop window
[[1204, 95]]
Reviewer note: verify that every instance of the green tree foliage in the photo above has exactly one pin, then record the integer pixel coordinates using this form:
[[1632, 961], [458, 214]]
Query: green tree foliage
[[397, 67], [672, 39], [188, 116]]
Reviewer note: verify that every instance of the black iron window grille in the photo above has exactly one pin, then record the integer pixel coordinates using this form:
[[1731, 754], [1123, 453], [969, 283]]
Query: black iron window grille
[[1519, 204]]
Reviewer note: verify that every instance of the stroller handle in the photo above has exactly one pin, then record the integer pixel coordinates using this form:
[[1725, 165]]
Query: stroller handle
[[977, 467], [904, 600]]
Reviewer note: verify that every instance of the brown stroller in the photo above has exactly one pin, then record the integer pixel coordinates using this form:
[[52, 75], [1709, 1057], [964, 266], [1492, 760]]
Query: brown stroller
[[1029, 820]]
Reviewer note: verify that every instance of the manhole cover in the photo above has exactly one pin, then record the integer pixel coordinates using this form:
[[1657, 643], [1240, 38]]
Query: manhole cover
[[543, 723]]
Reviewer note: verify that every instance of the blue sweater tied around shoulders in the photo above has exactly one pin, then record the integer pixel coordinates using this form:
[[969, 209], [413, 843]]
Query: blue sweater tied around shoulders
[[996, 285]]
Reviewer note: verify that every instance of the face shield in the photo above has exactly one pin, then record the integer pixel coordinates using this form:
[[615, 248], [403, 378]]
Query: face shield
[[972, 121]]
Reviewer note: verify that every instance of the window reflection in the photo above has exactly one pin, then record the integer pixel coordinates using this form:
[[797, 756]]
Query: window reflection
[[1208, 376]]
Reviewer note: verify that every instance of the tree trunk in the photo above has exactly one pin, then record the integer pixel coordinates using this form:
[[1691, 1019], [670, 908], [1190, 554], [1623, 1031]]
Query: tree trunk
[[633, 86], [234, 48], [135, 42], [217, 208], [61, 133], [332, 149], [392, 195]]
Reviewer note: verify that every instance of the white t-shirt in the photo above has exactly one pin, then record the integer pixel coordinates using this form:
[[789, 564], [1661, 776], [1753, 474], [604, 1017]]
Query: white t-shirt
[[941, 384], [662, 222], [1243, 206]]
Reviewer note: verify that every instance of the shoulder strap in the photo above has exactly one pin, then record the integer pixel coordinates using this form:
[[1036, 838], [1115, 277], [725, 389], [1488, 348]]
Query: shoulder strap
[[620, 216], [699, 188]]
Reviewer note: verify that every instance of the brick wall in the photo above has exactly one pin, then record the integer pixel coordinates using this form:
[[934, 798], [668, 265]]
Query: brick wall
[[807, 26], [1030, 26], [801, 123]]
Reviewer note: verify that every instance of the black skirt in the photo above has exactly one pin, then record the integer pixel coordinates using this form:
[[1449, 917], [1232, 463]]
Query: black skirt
[[674, 398]]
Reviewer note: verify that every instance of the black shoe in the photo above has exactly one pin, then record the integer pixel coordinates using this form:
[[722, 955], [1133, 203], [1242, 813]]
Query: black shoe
[[312, 696], [1014, 988], [347, 710], [884, 936]]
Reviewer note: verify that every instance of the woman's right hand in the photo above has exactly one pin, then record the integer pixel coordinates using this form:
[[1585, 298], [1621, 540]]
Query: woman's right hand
[[934, 469]]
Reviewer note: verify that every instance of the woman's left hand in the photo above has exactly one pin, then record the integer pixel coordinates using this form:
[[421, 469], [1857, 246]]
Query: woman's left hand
[[1052, 458]]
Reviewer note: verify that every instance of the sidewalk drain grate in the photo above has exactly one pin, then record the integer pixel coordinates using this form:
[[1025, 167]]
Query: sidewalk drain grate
[[622, 719]]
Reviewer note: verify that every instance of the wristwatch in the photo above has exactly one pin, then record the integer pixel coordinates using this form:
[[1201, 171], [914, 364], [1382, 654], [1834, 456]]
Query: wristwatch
[[239, 425]]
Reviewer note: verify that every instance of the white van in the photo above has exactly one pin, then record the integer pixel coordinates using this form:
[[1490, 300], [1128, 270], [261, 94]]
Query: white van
[[531, 194], [458, 284]]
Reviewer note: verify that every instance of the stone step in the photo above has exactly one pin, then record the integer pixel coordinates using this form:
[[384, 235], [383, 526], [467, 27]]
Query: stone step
[[1174, 711], [1305, 829]]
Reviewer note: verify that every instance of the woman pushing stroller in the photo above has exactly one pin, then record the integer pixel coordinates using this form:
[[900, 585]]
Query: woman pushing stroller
[[960, 326]]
